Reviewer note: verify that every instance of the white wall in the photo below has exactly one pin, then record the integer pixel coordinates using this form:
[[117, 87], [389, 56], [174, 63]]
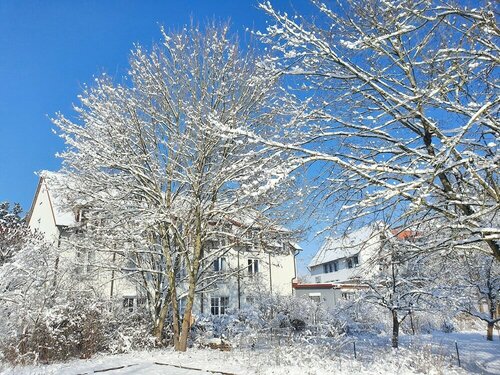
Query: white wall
[[366, 251], [42, 218], [275, 277]]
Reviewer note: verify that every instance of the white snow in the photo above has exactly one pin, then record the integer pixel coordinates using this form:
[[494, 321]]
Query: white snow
[[433, 354]]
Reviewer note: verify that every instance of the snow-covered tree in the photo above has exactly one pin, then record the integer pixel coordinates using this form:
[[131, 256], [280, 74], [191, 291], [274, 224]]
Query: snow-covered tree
[[159, 173], [46, 315], [475, 280], [27, 285], [402, 110], [12, 230], [403, 283]]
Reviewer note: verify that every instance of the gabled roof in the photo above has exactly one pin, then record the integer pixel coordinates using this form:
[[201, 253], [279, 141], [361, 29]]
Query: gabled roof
[[63, 215], [339, 247]]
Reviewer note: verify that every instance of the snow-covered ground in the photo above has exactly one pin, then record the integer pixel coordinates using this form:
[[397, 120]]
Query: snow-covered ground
[[430, 354]]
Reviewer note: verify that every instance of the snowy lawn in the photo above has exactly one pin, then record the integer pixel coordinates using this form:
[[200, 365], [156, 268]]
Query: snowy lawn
[[434, 354]]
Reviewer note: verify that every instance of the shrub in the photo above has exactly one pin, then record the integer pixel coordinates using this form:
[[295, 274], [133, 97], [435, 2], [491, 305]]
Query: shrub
[[74, 329]]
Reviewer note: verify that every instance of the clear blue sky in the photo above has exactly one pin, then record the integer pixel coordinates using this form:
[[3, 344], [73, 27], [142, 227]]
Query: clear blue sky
[[49, 48]]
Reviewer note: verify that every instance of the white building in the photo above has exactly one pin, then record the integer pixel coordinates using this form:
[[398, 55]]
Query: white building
[[241, 273], [342, 262], [342, 259]]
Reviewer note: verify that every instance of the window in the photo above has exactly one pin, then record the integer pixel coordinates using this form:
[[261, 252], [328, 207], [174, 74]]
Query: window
[[220, 264], [128, 303], [217, 243], [318, 279], [352, 262], [81, 215], [314, 297], [253, 266], [355, 260], [349, 263], [346, 295], [219, 305], [84, 261], [331, 267]]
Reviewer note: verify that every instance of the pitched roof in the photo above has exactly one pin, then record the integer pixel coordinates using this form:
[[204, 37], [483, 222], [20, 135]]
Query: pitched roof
[[345, 246], [63, 213]]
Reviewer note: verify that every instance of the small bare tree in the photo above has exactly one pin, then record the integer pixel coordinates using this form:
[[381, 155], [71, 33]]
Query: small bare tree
[[402, 283], [475, 279]]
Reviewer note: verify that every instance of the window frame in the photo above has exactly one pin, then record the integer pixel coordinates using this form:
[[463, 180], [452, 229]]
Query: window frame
[[253, 266], [219, 264], [128, 303], [219, 305]]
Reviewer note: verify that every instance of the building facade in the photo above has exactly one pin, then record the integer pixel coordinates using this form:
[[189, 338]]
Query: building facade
[[238, 275], [344, 259]]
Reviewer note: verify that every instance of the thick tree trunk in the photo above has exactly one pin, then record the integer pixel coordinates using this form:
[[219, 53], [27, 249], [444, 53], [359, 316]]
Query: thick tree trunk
[[198, 247], [395, 329], [186, 326], [489, 333]]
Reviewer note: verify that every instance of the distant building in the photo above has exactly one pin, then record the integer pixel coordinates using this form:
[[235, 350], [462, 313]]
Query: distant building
[[342, 262], [327, 294], [340, 259]]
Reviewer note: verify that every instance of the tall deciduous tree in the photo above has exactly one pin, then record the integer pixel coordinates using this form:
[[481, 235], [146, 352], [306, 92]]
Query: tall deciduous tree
[[402, 106], [154, 163]]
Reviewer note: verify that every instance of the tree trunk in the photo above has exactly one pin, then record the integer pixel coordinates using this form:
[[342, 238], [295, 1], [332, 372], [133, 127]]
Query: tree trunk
[[489, 333], [160, 324], [186, 326], [395, 329], [412, 324], [193, 275], [175, 320]]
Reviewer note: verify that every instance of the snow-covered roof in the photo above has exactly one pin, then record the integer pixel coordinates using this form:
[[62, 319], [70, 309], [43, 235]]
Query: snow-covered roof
[[63, 213], [345, 246], [296, 246]]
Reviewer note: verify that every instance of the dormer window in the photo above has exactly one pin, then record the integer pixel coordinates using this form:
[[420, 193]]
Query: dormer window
[[353, 262], [331, 267]]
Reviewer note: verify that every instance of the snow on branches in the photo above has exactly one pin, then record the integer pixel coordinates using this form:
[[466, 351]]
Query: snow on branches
[[158, 172], [403, 104]]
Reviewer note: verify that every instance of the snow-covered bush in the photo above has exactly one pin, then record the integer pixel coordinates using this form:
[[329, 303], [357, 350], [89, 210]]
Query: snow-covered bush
[[356, 316], [271, 319], [126, 331], [74, 328]]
